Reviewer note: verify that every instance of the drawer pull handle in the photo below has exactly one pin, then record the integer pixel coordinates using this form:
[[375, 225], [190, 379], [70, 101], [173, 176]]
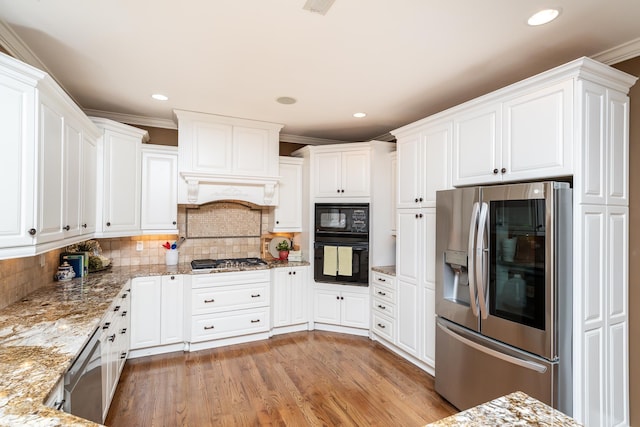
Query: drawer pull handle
[[382, 293], [209, 327], [117, 308], [255, 321], [381, 325], [382, 307], [106, 325], [123, 330], [255, 295], [112, 338], [124, 313], [381, 279], [123, 355], [207, 301]]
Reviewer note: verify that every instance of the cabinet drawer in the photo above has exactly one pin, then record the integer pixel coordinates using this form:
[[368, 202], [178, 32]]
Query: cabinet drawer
[[383, 280], [383, 293], [232, 278], [383, 327], [226, 298], [229, 324], [384, 307]]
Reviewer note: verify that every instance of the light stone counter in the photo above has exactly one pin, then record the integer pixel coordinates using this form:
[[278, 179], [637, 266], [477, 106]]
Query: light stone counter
[[515, 409], [389, 270], [42, 334]]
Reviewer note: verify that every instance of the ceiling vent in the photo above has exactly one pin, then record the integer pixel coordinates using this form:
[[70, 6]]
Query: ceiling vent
[[318, 6]]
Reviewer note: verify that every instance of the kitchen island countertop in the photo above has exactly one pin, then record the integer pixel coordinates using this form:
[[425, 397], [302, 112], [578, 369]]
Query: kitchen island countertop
[[42, 334], [515, 409]]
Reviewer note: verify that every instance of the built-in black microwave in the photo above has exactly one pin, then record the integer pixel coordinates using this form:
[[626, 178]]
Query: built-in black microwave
[[342, 220]]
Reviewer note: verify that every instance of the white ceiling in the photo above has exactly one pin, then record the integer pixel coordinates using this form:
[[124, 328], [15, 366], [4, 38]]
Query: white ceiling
[[396, 60]]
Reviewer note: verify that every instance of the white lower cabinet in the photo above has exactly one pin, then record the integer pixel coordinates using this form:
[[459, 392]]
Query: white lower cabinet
[[228, 308], [341, 305], [114, 341], [157, 306], [289, 297], [383, 303]]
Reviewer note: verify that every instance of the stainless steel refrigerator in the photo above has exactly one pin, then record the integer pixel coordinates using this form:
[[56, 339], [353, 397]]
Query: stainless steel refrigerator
[[503, 293]]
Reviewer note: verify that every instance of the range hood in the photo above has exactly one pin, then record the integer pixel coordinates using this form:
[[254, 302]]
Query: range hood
[[227, 158], [204, 188]]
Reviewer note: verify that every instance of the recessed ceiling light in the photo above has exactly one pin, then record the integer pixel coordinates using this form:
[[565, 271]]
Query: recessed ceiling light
[[543, 17], [359, 115], [160, 97], [286, 100]]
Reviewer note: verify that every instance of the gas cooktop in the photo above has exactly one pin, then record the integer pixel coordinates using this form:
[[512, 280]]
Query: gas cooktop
[[212, 264]]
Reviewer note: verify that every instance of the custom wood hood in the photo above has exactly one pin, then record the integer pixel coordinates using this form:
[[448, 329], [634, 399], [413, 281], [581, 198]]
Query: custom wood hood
[[226, 158]]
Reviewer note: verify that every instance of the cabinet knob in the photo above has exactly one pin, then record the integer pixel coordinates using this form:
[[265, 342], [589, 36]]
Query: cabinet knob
[[108, 224], [123, 330], [277, 222], [420, 198], [341, 297], [174, 223], [420, 215], [116, 308], [289, 273], [124, 313], [84, 225], [111, 338], [503, 170], [294, 272], [123, 355], [495, 171], [338, 297], [338, 190], [342, 191], [416, 200], [173, 277], [32, 231], [67, 227], [106, 325]]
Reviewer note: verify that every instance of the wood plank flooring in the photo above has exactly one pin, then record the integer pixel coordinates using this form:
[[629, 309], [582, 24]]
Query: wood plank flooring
[[300, 379]]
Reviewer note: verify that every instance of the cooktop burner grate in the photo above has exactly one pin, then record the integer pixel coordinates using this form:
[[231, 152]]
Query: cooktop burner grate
[[198, 264]]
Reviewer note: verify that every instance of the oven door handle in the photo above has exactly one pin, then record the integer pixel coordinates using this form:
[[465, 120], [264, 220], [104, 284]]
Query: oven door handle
[[473, 228]]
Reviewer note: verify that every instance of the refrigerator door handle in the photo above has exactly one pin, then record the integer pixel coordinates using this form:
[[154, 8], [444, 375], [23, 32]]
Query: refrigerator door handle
[[491, 352], [473, 228], [481, 261]]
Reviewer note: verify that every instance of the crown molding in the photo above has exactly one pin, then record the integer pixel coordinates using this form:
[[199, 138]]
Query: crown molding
[[387, 137], [18, 49], [133, 119], [628, 50], [307, 140]]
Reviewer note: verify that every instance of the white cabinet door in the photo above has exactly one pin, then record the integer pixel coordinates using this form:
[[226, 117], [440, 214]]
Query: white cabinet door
[[287, 216], [17, 156], [146, 303], [89, 184], [299, 301], [356, 169], [538, 133], [410, 170], [281, 297], [159, 207], [408, 317], [211, 147], [122, 183], [73, 186], [354, 309], [51, 180], [394, 190], [327, 307], [251, 151], [435, 161], [408, 246], [327, 174], [172, 310], [477, 146], [428, 303]]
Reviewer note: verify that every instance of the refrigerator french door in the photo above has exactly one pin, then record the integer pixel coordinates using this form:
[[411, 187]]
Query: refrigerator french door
[[503, 288]]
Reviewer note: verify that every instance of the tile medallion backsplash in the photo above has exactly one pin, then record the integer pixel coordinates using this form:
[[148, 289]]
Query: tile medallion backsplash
[[241, 227]]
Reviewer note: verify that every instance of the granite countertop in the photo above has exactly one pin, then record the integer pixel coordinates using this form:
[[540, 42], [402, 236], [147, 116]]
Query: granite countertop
[[389, 270], [42, 334], [515, 409]]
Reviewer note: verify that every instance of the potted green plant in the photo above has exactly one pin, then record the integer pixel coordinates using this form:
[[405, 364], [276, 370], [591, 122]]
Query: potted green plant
[[283, 249]]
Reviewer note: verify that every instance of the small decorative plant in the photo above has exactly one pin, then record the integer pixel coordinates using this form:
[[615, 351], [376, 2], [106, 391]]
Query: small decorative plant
[[283, 249]]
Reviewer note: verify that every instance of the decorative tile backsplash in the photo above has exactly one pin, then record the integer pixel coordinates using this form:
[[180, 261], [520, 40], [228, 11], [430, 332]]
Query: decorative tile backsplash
[[233, 220], [21, 276]]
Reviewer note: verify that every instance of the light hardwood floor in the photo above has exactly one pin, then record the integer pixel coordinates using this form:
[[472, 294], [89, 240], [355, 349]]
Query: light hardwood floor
[[300, 379]]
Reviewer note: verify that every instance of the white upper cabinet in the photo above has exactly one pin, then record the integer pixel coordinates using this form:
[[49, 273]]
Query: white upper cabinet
[[226, 158], [527, 134], [89, 184], [159, 207], [120, 188], [287, 216], [44, 136], [477, 146], [423, 165], [342, 174]]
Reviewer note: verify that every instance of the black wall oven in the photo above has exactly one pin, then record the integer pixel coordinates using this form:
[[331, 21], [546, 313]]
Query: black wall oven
[[341, 247]]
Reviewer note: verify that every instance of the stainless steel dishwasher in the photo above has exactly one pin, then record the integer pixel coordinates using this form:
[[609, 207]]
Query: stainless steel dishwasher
[[83, 383]]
